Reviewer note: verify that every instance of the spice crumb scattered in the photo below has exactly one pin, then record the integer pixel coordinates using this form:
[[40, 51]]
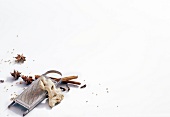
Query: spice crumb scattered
[[1, 81]]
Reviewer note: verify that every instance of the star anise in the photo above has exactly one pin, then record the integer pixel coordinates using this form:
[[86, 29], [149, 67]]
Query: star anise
[[27, 79], [20, 58], [16, 74]]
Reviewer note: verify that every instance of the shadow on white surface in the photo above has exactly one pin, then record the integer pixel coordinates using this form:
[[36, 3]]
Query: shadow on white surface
[[18, 109], [10, 79]]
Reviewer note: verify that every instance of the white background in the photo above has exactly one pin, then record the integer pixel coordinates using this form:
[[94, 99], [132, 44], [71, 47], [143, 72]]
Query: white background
[[122, 45]]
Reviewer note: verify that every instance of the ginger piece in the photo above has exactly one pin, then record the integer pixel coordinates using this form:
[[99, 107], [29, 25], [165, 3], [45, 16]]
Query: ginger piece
[[55, 96]]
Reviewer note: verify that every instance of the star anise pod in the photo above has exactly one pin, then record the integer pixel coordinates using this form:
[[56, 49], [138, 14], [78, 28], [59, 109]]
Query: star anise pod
[[20, 58], [16, 74], [27, 79]]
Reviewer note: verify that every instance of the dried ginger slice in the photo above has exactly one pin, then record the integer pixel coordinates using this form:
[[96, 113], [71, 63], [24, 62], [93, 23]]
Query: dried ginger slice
[[54, 94]]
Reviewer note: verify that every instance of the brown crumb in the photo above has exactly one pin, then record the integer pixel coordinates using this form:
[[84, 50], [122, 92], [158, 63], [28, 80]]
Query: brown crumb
[[84, 86], [37, 76], [27, 79], [12, 98], [16, 74], [20, 58], [1, 81], [63, 89]]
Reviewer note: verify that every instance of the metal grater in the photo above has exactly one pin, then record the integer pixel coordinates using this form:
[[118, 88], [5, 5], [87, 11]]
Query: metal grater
[[32, 96]]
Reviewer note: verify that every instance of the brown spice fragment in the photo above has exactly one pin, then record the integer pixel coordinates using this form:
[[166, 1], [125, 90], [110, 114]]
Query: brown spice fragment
[[67, 80], [37, 76], [27, 79], [16, 74], [72, 82], [1, 81], [20, 58], [84, 86]]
